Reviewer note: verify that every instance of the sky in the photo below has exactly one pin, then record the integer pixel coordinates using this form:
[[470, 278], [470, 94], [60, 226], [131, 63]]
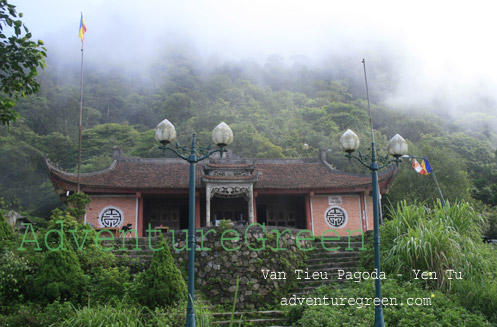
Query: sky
[[443, 50]]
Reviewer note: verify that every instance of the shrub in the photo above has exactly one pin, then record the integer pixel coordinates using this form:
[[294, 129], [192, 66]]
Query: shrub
[[109, 285], [441, 238], [14, 271], [161, 284], [60, 277], [77, 205], [442, 312], [33, 315], [432, 239]]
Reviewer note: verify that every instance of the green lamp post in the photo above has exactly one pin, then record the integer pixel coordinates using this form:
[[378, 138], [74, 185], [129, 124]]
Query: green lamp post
[[222, 136], [397, 147]]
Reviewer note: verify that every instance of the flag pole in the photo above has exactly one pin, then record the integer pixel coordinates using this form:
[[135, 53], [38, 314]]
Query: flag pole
[[430, 172], [438, 186], [80, 109]]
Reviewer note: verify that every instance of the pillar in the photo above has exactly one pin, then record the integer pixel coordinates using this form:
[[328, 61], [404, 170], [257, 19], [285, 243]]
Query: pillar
[[140, 213], [197, 210], [308, 214], [208, 206], [362, 199], [251, 205], [254, 205]]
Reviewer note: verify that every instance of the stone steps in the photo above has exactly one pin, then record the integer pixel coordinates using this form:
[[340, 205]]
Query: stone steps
[[335, 254], [328, 263], [340, 264], [251, 318]]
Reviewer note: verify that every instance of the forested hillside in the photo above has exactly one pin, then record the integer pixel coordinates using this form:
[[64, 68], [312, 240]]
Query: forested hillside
[[273, 108]]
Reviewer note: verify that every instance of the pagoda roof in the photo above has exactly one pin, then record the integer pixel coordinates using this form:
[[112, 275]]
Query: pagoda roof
[[169, 175]]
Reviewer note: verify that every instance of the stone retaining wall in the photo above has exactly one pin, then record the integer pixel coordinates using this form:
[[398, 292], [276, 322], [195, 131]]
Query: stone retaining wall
[[217, 269], [218, 266]]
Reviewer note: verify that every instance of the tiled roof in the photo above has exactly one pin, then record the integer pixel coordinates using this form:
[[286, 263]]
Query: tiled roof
[[138, 175]]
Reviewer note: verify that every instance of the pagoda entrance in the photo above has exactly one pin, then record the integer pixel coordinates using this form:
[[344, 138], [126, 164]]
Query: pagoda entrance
[[234, 209], [234, 202], [171, 212]]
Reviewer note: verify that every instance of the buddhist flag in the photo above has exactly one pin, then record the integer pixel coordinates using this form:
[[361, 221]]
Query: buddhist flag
[[417, 167], [82, 29], [424, 168]]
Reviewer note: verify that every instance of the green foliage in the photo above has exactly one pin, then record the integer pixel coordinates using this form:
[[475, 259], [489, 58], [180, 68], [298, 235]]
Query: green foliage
[[174, 316], [14, 275], [20, 59], [438, 239], [443, 311], [5, 230], [80, 238], [161, 284], [77, 204], [491, 230], [23, 182], [102, 139], [109, 285], [451, 173], [432, 239], [60, 277], [105, 315], [33, 315]]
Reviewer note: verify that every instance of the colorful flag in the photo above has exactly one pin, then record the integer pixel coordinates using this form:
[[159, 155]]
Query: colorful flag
[[82, 29], [424, 168], [417, 167]]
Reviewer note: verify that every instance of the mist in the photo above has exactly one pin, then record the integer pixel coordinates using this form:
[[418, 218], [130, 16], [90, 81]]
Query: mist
[[440, 54]]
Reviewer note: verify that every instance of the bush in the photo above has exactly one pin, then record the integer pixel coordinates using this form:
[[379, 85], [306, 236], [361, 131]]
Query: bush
[[161, 284], [436, 240], [442, 312], [32, 315], [60, 277], [433, 239], [14, 272], [109, 285], [77, 205]]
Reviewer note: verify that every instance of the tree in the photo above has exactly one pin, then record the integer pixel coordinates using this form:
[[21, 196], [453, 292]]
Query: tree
[[162, 283], [19, 60]]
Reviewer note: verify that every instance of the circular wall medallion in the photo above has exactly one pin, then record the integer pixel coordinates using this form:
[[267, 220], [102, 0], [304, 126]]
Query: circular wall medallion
[[336, 217], [110, 217]]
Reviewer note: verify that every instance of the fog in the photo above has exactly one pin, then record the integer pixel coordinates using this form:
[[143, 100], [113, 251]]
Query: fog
[[441, 52]]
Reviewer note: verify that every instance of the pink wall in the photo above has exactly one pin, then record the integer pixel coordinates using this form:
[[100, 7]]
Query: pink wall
[[352, 206], [126, 203]]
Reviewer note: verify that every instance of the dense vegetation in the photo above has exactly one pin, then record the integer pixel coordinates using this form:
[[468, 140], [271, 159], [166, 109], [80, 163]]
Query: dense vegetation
[[435, 240], [65, 280]]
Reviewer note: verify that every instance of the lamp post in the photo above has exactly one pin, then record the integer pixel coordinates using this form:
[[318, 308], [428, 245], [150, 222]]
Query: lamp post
[[397, 147], [222, 136]]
